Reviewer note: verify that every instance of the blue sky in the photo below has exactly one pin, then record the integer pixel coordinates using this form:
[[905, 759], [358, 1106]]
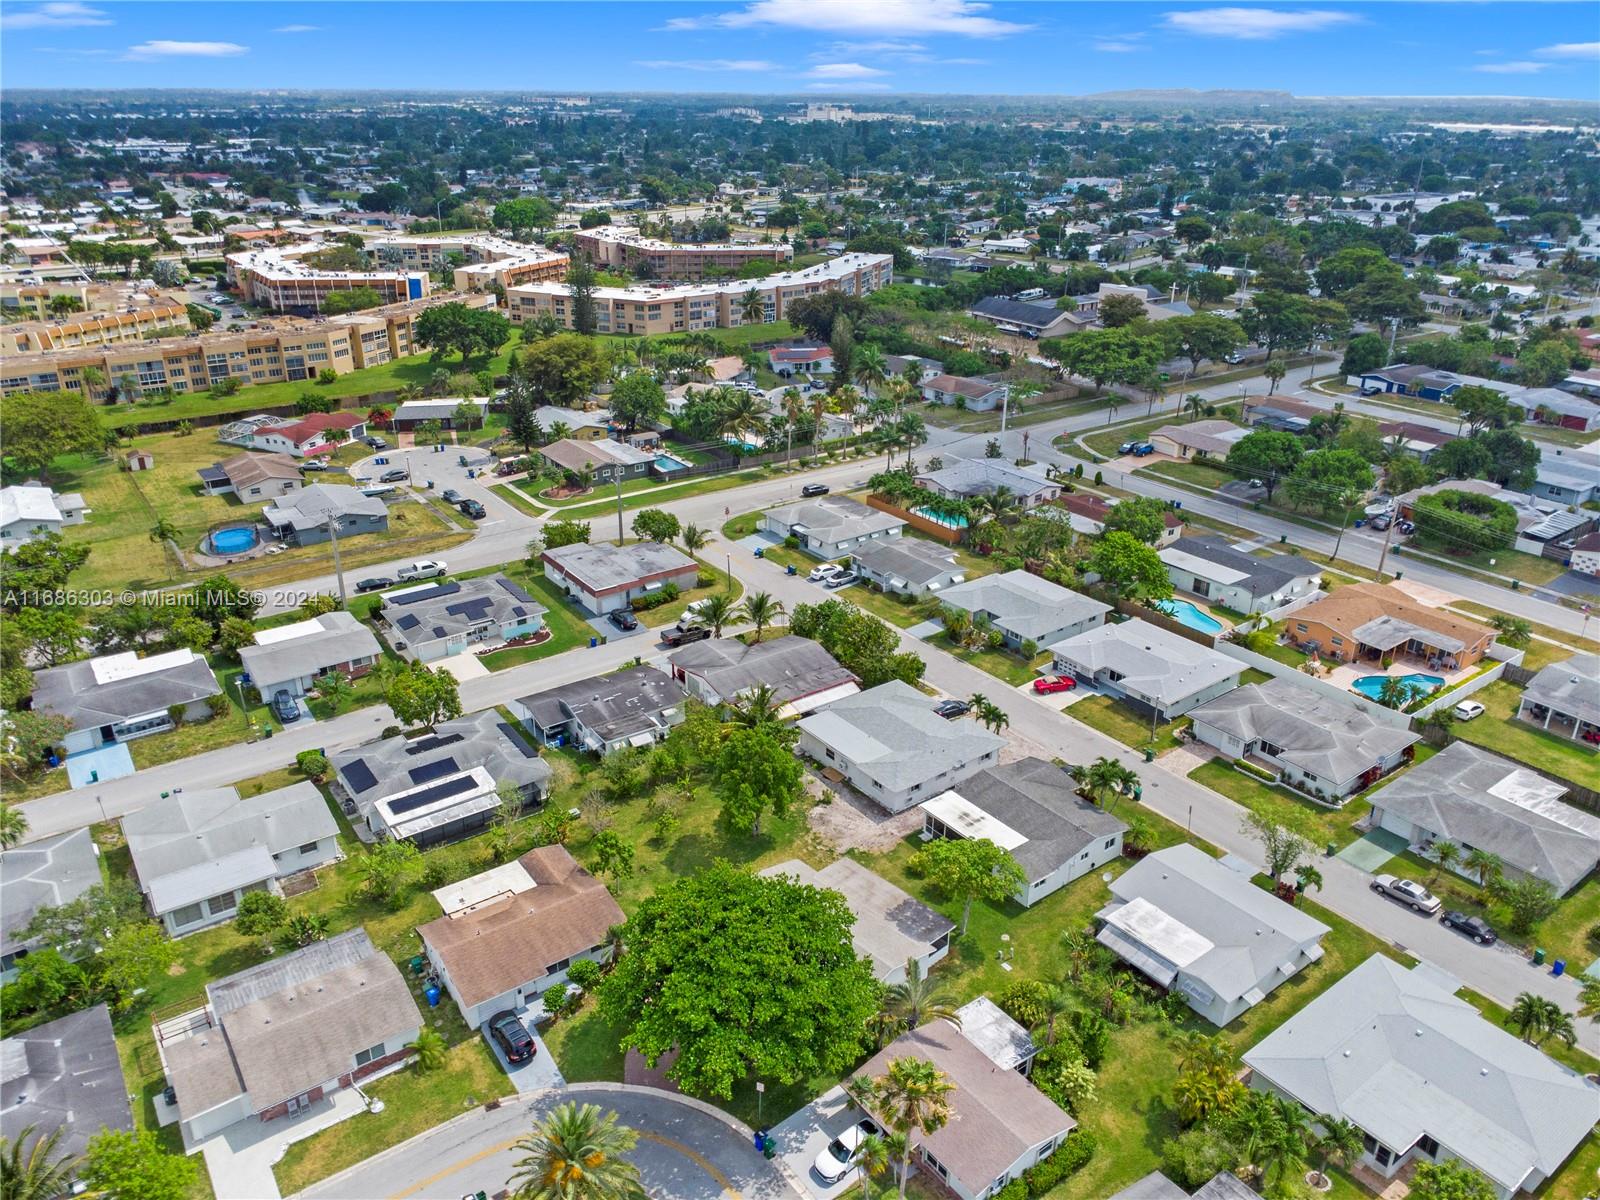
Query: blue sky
[[822, 47]]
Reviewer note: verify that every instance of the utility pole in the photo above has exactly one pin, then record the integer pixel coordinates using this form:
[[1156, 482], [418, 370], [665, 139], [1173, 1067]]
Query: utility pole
[[1394, 328], [338, 568], [1005, 405], [1394, 519], [617, 477]]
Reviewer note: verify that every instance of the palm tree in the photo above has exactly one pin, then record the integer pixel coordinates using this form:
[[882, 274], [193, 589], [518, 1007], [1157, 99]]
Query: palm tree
[[164, 530], [761, 609], [1394, 693], [1057, 1003], [1339, 1142], [1557, 1024], [1514, 631], [576, 1154], [918, 1000], [13, 826], [1445, 856], [1307, 878], [757, 707], [846, 400], [741, 415], [693, 538], [793, 406], [1104, 780], [752, 308], [718, 610], [1283, 1155], [430, 1049], [1195, 405], [912, 1097], [1533, 1016], [39, 1172], [1274, 371], [874, 1156], [1589, 999], [1485, 864], [1203, 1052], [994, 505], [869, 367]]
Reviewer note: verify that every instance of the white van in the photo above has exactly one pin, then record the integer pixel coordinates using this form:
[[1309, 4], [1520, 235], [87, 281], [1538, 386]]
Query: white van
[[425, 568]]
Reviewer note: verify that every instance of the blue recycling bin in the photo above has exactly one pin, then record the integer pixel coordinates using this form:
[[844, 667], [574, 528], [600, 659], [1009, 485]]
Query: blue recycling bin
[[432, 993], [760, 552], [593, 642], [1559, 967]]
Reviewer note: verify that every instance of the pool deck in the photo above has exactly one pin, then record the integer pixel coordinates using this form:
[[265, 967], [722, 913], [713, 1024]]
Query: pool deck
[[1345, 674]]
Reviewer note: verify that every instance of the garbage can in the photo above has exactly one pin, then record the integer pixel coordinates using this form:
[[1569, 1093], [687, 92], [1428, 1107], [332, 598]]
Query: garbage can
[[417, 962], [1538, 957], [1333, 848], [1559, 967], [1149, 754], [593, 642]]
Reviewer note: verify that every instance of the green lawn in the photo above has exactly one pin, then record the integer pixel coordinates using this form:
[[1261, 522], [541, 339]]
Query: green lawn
[[667, 614], [1320, 823], [734, 338], [564, 620], [599, 509], [1116, 720], [1499, 730], [1106, 441], [1011, 669]]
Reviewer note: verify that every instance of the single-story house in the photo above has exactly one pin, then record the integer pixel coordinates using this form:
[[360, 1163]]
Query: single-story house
[[964, 478], [1571, 477], [1155, 1186], [1411, 379], [603, 576], [303, 518], [199, 853], [1193, 925], [1005, 1042], [1031, 808], [1414, 438], [1373, 621], [1479, 801], [275, 1038], [786, 361], [512, 932], [44, 874], [1024, 607], [633, 707], [1197, 439], [413, 414], [908, 566], [573, 424], [889, 744], [606, 459], [1426, 1078], [980, 395], [1087, 514], [1329, 748], [252, 476], [802, 675], [64, 1075], [299, 436], [441, 785], [1552, 406], [1000, 1124], [1147, 667], [119, 697], [831, 526], [1209, 567], [28, 510], [289, 658], [436, 620], [891, 928], [1031, 319], [1564, 698], [1585, 558]]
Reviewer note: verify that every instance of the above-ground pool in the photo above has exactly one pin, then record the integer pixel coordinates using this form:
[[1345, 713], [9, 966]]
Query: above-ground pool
[[939, 518], [1417, 686], [236, 539], [666, 462], [1185, 613]]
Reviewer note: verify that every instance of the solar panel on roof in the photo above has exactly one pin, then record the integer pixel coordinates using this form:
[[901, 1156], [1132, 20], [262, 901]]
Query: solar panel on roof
[[518, 611], [359, 776], [516, 589], [440, 631], [432, 593], [451, 787], [432, 742], [433, 770], [473, 610], [409, 621], [515, 739]]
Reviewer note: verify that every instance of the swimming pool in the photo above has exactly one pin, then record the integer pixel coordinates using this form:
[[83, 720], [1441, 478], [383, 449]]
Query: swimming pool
[[1417, 686], [666, 462], [236, 539], [940, 518], [1185, 613]]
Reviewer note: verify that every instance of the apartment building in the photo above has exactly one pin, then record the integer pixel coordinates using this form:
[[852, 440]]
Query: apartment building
[[627, 249], [276, 278], [489, 260], [671, 308], [136, 323]]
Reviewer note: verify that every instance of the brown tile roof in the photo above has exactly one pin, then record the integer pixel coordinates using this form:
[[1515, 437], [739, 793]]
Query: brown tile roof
[[492, 948], [1355, 604]]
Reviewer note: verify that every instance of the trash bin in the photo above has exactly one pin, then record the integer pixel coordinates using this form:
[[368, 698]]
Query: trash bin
[[791, 569], [760, 552], [417, 962], [1149, 754], [1559, 967], [432, 994], [593, 642], [1333, 848], [1538, 957]]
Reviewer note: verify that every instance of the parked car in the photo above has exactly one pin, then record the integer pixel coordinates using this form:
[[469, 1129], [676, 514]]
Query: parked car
[[473, 509], [450, 496], [374, 584], [1475, 928], [623, 619], [838, 1157], [825, 571], [682, 637], [1143, 449], [1380, 523], [815, 489], [1467, 710], [691, 615], [423, 568], [842, 579], [313, 464], [1127, 447], [1047, 685], [1407, 891], [285, 708], [395, 475], [513, 1036], [1407, 527], [376, 442], [951, 709]]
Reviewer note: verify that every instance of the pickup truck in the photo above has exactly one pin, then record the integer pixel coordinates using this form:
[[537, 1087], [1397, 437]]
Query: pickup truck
[[682, 637]]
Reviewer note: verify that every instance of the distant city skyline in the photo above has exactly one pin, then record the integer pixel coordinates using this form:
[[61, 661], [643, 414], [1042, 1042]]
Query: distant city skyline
[[840, 49]]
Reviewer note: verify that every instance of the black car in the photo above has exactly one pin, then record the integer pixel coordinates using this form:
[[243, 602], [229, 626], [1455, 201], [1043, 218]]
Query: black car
[[513, 1036], [623, 619], [473, 509], [951, 709], [1475, 928], [376, 584], [815, 489], [397, 475], [377, 443], [285, 708]]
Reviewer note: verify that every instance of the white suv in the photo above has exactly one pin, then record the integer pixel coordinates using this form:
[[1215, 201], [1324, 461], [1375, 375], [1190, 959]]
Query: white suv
[[825, 571]]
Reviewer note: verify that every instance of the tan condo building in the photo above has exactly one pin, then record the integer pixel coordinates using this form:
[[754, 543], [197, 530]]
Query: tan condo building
[[488, 259], [627, 249]]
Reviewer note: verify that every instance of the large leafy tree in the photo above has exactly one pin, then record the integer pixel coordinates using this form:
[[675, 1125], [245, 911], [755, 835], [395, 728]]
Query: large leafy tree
[[1202, 337], [1144, 517], [524, 214], [454, 326], [1127, 567], [969, 869], [576, 1153], [1329, 481], [41, 425], [1449, 1180], [860, 641], [563, 369], [133, 1166], [756, 772], [638, 399], [1267, 455], [742, 975], [1464, 522], [421, 696]]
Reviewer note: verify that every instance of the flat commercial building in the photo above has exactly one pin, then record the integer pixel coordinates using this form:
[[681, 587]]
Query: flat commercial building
[[668, 308], [626, 248]]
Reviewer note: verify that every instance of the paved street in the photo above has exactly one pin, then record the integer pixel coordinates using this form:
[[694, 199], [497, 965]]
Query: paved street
[[684, 1152]]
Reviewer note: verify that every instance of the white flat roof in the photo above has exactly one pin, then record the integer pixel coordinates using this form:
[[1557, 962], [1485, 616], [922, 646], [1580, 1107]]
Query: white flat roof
[[1160, 931], [510, 879], [1536, 794], [113, 668], [970, 821], [288, 633]]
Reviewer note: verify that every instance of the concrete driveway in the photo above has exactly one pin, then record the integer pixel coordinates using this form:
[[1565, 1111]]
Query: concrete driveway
[[537, 1074], [803, 1135]]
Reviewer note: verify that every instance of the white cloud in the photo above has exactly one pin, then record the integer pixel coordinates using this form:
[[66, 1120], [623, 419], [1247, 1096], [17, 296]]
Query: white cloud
[[886, 46], [1256, 24], [895, 18], [707, 64], [64, 14], [145, 51], [1571, 50], [844, 70], [297, 28], [1518, 67], [1118, 43]]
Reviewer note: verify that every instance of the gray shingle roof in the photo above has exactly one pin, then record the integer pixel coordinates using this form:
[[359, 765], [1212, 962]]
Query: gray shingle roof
[[1332, 740], [1261, 576], [395, 764], [312, 505], [332, 638], [835, 518], [64, 1074], [614, 706], [1154, 1186], [912, 559], [1024, 603], [1390, 1050], [1152, 662], [1477, 799], [1572, 687], [982, 476], [43, 874], [75, 692], [1017, 312], [793, 667], [892, 733], [438, 611]]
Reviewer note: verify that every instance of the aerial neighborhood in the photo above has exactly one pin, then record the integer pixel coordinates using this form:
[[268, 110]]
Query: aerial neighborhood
[[682, 642]]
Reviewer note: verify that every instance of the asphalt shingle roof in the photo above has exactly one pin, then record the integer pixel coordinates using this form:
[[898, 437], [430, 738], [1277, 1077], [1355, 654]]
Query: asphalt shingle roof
[[1152, 662], [64, 1074], [793, 667], [75, 692], [1023, 603], [43, 874]]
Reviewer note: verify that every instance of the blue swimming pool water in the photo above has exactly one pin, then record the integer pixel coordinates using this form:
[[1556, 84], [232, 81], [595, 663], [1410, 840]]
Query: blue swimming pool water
[[1185, 613], [666, 462], [235, 540], [1418, 685], [936, 516]]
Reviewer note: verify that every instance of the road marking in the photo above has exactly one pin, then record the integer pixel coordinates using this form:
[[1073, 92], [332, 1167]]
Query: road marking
[[694, 1156]]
